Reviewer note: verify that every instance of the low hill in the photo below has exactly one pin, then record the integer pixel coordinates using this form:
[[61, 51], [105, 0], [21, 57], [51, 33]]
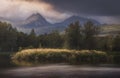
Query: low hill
[[110, 29]]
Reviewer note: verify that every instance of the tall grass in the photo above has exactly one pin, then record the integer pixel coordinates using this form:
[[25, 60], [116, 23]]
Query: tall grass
[[60, 56]]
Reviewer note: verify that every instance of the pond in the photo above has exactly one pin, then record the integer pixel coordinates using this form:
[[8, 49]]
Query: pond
[[10, 70]]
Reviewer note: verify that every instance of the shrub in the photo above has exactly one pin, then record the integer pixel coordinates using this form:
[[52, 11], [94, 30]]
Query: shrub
[[89, 57], [116, 59], [61, 56]]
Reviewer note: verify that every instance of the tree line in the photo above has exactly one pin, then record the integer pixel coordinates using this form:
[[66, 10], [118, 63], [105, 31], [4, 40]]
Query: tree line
[[75, 36]]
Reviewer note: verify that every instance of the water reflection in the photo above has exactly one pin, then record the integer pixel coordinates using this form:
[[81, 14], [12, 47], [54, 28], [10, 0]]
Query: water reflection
[[23, 63], [9, 69], [63, 71]]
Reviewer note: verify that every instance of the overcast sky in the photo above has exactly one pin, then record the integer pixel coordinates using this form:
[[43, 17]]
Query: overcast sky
[[105, 11]]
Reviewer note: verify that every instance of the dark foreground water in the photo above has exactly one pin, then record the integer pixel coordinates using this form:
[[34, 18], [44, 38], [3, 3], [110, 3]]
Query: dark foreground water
[[61, 71], [9, 70]]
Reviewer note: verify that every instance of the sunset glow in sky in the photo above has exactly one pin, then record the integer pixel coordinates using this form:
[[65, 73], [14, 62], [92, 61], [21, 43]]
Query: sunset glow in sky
[[105, 11], [21, 9]]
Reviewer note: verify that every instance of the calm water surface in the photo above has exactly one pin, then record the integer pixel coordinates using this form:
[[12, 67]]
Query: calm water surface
[[10, 70]]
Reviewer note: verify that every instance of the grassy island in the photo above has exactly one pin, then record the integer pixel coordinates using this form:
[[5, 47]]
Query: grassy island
[[61, 56]]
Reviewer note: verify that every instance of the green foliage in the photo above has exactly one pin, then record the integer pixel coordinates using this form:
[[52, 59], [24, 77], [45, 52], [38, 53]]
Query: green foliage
[[8, 37], [73, 39], [81, 37], [21, 40], [116, 59], [11, 39], [116, 43], [32, 39], [5, 60], [90, 32], [52, 40]]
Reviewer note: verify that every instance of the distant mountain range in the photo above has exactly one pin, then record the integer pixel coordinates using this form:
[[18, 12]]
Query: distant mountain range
[[39, 23], [73, 19]]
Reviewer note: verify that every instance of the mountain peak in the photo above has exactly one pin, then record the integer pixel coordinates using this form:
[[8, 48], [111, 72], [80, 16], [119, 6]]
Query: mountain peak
[[82, 20], [75, 18], [35, 20], [35, 17], [37, 14]]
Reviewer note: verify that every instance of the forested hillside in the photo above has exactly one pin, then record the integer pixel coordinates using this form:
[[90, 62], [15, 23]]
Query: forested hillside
[[76, 36]]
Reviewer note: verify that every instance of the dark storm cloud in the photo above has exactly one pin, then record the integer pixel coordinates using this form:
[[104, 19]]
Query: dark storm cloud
[[105, 11], [88, 7]]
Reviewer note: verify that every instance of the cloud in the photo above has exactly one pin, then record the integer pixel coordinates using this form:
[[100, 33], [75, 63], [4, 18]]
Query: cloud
[[23, 8], [88, 7], [58, 10], [106, 11]]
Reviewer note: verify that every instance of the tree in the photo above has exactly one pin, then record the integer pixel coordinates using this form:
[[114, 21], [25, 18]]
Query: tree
[[32, 40], [73, 39], [116, 43], [8, 37], [32, 33], [21, 40], [51, 40], [107, 43], [90, 32], [56, 40]]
